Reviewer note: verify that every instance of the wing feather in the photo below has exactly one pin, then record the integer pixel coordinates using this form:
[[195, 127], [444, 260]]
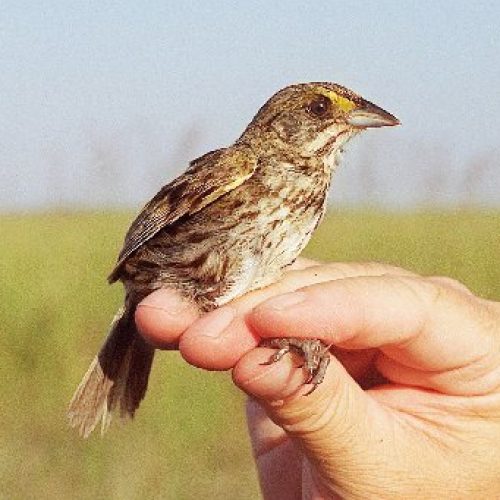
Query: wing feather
[[207, 179]]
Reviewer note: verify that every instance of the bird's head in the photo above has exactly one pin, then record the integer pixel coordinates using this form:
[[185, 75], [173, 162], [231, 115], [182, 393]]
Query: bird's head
[[315, 119]]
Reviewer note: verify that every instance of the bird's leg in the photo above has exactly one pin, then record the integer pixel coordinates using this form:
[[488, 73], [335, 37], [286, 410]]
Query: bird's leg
[[281, 344], [314, 352], [320, 372]]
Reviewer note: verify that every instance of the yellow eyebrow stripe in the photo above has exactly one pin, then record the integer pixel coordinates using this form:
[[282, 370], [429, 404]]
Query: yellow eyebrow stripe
[[343, 103]]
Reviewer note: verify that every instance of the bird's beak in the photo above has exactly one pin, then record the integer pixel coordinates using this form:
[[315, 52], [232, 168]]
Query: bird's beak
[[369, 116]]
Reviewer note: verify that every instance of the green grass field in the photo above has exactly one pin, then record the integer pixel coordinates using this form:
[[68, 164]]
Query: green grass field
[[188, 440]]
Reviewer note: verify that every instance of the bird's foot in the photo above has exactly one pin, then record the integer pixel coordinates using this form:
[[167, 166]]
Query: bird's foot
[[314, 352]]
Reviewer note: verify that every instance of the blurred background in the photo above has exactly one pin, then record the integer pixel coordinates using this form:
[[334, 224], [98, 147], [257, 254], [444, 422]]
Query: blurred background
[[101, 103]]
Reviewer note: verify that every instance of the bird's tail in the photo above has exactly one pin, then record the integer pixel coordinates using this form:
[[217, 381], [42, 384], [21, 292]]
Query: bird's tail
[[117, 378]]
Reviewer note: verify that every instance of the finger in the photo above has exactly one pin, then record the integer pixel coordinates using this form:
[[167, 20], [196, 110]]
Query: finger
[[450, 282], [218, 339], [332, 426], [162, 317], [303, 263], [419, 325]]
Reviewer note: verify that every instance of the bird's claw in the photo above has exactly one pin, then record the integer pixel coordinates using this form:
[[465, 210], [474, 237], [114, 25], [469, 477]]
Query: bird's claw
[[277, 356], [314, 352]]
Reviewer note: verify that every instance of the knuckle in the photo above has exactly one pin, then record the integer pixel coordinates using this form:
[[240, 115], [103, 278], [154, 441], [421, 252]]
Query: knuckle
[[449, 282]]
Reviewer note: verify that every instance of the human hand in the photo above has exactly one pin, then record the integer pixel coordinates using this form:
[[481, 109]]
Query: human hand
[[410, 406]]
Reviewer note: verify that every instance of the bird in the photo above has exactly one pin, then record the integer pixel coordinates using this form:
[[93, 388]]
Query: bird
[[231, 223]]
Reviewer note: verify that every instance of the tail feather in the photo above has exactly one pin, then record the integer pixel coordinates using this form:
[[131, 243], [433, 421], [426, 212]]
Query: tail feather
[[117, 378]]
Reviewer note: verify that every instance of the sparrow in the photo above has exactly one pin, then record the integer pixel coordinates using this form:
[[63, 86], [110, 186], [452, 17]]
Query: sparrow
[[230, 224]]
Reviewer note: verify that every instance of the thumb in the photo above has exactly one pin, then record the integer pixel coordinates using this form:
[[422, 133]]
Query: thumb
[[335, 421]]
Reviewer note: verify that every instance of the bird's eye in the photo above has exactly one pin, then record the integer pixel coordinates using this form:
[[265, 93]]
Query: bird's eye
[[320, 106]]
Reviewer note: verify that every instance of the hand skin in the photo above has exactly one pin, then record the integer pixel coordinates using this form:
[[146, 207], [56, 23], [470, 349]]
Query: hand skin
[[410, 406]]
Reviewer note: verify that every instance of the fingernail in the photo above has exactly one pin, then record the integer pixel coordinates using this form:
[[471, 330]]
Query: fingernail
[[215, 322], [285, 301], [166, 300]]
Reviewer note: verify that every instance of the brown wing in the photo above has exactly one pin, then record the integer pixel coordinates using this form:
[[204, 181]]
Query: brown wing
[[207, 178]]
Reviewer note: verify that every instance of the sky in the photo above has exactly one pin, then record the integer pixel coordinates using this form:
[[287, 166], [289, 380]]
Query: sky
[[103, 102]]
